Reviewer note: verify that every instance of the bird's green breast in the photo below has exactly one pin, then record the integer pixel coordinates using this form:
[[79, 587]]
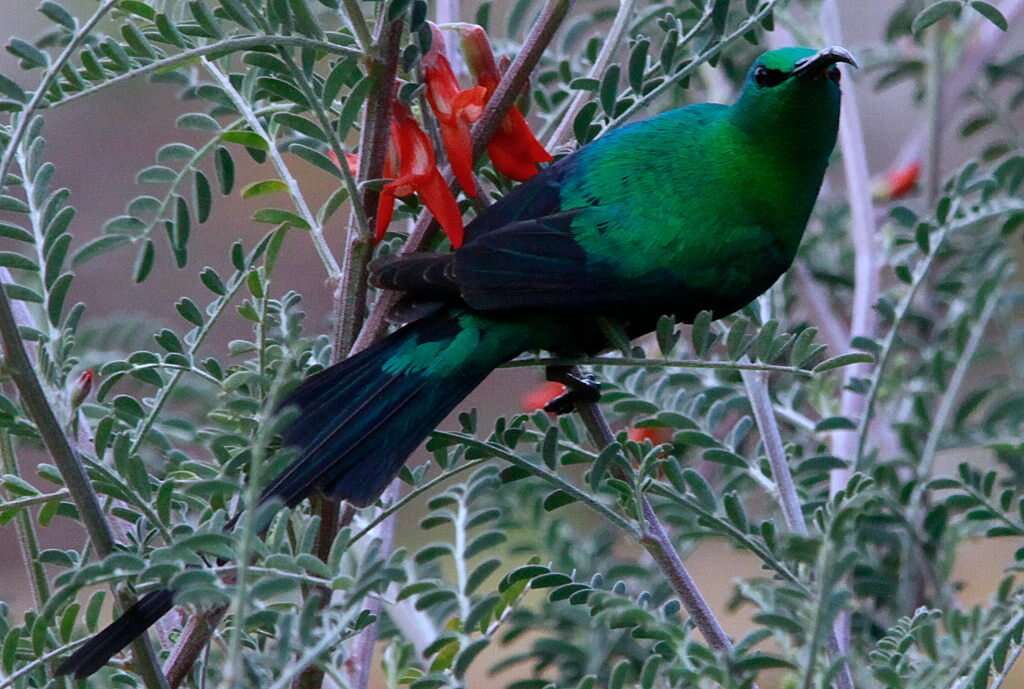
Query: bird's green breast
[[693, 201]]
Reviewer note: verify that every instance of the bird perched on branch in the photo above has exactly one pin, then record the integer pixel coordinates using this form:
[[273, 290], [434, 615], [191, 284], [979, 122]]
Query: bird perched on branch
[[701, 208]]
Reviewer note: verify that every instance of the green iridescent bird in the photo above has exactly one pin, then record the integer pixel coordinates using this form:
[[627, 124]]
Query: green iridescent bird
[[701, 208]]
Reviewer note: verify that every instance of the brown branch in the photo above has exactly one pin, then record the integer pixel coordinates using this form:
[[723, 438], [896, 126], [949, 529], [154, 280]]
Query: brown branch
[[350, 292], [657, 542]]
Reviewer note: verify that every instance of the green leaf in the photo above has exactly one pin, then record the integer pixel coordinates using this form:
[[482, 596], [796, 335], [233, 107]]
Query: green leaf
[[10, 259], [202, 196], [144, 261], [31, 56], [467, 655], [21, 293], [991, 13], [842, 360], [189, 311], [8, 231], [610, 89], [99, 246], [638, 65], [205, 18], [556, 499], [305, 22], [225, 167], [247, 139], [58, 294], [277, 216], [934, 13], [12, 90], [267, 186], [352, 107]]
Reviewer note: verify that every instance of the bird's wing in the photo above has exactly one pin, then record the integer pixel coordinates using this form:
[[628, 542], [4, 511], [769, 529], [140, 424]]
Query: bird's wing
[[539, 263], [539, 196]]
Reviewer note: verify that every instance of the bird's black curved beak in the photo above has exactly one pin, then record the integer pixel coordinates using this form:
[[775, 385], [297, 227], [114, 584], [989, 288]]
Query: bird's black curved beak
[[816, 65]]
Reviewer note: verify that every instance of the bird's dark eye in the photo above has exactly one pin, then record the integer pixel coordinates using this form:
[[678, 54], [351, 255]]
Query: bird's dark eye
[[834, 74], [766, 78]]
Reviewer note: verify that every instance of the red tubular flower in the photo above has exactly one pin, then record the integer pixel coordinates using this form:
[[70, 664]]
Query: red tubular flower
[[537, 397], [417, 173], [454, 108], [351, 161], [901, 182], [81, 388], [514, 150], [658, 435]]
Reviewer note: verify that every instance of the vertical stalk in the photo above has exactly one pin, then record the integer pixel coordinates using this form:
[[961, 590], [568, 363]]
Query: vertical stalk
[[28, 541], [350, 291], [934, 92]]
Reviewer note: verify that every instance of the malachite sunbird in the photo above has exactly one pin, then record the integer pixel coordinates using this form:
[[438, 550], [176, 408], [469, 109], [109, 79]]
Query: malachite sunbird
[[700, 208]]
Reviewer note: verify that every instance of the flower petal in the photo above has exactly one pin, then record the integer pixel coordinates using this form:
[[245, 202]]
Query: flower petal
[[440, 201]]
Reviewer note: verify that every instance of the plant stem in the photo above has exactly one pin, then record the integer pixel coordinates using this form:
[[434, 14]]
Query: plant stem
[[956, 380], [764, 416], [933, 91], [28, 541], [611, 44], [194, 639], [657, 363], [36, 404], [217, 48], [656, 541], [362, 654], [789, 500], [233, 666], [864, 234], [979, 213], [315, 229], [350, 290], [354, 16]]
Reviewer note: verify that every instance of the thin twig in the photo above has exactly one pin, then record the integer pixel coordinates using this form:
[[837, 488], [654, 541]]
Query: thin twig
[[28, 541], [350, 289], [864, 235], [217, 48], [611, 44], [764, 416], [632, 362], [642, 101], [354, 16], [934, 90], [362, 654], [978, 213], [656, 541], [247, 537], [244, 109]]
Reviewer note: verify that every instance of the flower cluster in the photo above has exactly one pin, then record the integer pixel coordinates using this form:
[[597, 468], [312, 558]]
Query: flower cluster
[[411, 163]]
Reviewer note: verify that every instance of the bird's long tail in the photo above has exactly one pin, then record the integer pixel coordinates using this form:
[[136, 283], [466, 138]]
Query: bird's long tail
[[95, 653], [359, 421]]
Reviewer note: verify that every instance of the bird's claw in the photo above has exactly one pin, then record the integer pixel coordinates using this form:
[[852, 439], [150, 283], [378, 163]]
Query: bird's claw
[[579, 389]]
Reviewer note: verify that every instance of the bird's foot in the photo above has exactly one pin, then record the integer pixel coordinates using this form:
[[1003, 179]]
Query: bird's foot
[[580, 388]]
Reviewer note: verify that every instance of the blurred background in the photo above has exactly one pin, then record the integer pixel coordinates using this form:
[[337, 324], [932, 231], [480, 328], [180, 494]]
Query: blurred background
[[98, 144]]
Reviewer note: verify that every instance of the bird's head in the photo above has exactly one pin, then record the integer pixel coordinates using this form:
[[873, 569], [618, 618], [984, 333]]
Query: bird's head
[[793, 93]]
